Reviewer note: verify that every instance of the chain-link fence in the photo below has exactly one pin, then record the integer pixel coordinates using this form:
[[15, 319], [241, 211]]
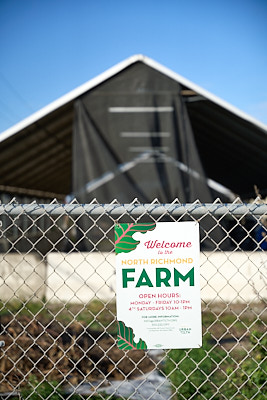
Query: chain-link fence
[[58, 311]]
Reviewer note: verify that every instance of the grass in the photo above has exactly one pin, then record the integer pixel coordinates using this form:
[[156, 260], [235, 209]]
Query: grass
[[191, 370], [36, 390], [211, 371]]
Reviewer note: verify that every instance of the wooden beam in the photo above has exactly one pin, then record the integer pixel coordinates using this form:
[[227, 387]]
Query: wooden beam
[[187, 92]]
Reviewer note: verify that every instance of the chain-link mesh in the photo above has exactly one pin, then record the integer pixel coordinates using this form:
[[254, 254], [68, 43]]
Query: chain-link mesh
[[58, 312]]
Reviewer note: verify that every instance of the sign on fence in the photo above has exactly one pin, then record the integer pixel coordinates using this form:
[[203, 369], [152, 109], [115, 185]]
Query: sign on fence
[[158, 288]]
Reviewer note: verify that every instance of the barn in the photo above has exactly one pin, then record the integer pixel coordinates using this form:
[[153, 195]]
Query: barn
[[136, 130]]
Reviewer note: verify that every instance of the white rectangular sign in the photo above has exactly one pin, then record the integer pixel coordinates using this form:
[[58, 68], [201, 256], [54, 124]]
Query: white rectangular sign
[[158, 288]]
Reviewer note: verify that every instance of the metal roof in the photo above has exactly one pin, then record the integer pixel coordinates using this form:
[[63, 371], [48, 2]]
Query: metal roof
[[36, 153]]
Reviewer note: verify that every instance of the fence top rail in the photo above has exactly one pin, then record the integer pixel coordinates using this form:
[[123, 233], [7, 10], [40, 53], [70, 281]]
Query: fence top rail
[[115, 209]]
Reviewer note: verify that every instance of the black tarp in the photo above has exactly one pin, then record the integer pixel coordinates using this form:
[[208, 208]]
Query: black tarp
[[133, 139]]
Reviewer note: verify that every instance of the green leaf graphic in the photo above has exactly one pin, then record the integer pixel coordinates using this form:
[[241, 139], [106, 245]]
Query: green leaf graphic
[[124, 242], [126, 338]]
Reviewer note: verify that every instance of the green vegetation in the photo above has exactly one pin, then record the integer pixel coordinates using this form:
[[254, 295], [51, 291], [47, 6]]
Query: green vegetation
[[36, 390], [250, 378], [190, 371], [211, 370]]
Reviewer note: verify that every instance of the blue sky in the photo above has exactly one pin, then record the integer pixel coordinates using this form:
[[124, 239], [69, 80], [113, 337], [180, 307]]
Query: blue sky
[[49, 47]]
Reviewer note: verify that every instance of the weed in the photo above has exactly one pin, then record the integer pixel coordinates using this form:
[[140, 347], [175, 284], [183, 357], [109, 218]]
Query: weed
[[190, 370], [35, 390], [249, 380], [209, 371]]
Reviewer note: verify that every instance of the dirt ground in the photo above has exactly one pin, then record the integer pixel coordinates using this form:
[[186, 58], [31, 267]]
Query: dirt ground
[[74, 354]]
